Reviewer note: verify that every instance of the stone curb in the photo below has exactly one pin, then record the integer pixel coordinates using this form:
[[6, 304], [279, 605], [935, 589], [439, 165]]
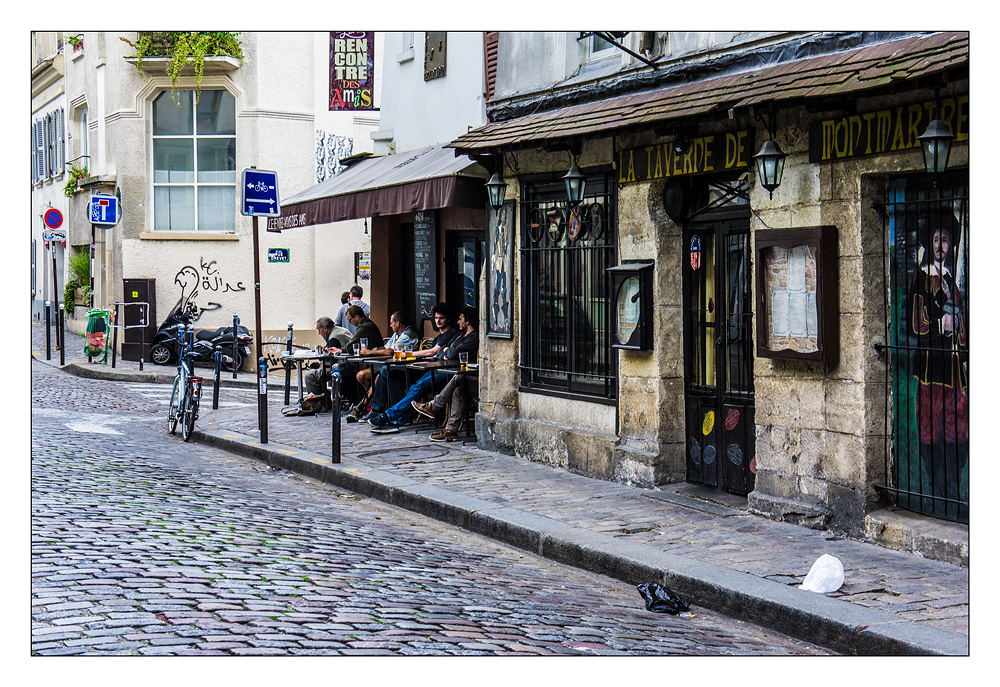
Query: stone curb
[[833, 623]]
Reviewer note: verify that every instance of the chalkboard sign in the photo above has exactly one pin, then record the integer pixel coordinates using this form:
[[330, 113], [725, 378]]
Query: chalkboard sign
[[424, 263]]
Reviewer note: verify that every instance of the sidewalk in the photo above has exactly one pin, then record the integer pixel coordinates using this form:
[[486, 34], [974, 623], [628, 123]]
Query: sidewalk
[[701, 543]]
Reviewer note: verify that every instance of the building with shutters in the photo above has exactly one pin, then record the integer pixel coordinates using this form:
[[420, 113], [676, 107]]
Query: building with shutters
[[803, 346]]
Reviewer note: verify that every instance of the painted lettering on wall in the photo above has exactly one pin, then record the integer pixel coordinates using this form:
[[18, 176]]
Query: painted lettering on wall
[[714, 153], [279, 223], [352, 70], [884, 131], [205, 280]]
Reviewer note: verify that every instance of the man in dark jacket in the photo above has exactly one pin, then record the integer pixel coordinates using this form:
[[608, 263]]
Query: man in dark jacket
[[366, 333], [467, 341]]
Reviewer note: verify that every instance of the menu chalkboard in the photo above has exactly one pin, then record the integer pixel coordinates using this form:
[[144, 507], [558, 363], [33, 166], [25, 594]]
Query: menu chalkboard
[[424, 263]]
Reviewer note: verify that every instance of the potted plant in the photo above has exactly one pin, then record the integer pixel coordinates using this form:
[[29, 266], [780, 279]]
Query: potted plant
[[182, 46], [75, 174], [76, 41]]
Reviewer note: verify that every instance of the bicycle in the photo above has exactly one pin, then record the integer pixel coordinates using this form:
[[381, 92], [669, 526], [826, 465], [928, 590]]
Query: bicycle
[[186, 394]]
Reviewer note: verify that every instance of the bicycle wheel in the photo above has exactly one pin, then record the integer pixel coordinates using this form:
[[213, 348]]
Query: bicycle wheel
[[190, 411], [174, 409]]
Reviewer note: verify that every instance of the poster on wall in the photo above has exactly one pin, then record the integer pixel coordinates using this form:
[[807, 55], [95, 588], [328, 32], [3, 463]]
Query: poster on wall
[[352, 70], [500, 274]]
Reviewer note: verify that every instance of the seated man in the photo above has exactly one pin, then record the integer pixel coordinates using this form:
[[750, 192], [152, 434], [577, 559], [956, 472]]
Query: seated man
[[398, 415], [384, 381], [402, 334], [459, 391], [315, 380], [364, 329]]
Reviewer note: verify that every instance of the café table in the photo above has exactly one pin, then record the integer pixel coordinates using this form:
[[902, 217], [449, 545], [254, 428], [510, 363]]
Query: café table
[[302, 357]]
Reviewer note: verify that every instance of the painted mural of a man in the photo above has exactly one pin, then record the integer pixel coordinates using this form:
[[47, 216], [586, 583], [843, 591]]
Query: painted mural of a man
[[939, 321]]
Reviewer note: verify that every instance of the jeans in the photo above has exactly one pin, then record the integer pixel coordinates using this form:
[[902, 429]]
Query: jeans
[[402, 412]]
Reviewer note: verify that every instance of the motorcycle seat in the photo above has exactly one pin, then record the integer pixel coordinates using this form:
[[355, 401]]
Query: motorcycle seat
[[208, 335]]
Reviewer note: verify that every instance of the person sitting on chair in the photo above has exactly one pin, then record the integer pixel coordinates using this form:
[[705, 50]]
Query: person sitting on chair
[[315, 380], [403, 335], [398, 415], [459, 392], [364, 329]]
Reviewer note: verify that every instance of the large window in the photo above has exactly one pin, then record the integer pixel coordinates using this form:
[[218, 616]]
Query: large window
[[566, 341], [194, 161]]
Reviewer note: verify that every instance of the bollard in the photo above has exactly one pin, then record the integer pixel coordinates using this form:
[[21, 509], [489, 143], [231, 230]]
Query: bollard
[[62, 336], [236, 341], [335, 412], [288, 366], [218, 375], [114, 336], [48, 335], [262, 398]]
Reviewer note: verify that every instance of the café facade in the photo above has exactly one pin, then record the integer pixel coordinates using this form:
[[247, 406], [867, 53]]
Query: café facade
[[803, 344]]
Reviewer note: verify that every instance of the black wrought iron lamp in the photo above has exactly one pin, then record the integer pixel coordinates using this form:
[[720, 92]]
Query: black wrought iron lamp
[[936, 143], [576, 185], [770, 161], [496, 189]]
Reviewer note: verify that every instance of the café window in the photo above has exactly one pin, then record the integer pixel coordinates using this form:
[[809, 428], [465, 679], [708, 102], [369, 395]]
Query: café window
[[566, 334], [194, 161]]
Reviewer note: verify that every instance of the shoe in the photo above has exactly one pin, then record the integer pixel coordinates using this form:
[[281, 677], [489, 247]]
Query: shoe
[[354, 415], [425, 409], [378, 420], [368, 416], [444, 435], [386, 429]]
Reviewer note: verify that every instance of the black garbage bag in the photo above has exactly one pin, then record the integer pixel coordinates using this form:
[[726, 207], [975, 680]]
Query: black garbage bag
[[660, 599]]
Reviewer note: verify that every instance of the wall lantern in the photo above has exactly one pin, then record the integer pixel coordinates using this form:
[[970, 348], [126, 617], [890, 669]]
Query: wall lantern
[[936, 143], [576, 185], [496, 189], [770, 163]]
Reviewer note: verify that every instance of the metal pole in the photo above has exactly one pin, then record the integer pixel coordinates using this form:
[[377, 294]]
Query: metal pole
[[114, 337], [256, 287], [218, 375], [62, 337], [55, 295], [236, 340], [262, 398], [335, 402], [93, 258], [144, 309], [288, 366], [48, 334]]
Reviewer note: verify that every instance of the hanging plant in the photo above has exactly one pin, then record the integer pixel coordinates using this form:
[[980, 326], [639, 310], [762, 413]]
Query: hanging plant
[[75, 174], [181, 46]]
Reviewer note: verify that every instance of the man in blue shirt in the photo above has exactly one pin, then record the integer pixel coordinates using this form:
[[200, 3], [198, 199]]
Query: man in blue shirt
[[341, 319], [468, 341]]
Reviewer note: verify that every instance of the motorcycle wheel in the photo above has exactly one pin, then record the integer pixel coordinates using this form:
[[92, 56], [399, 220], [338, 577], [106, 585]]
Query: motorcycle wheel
[[174, 410], [161, 354], [237, 364], [190, 411]]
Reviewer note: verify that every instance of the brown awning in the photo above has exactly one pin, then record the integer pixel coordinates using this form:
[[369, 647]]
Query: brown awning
[[426, 179], [835, 74]]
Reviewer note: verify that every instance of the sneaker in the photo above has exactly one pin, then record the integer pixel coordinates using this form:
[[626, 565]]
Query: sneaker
[[425, 409], [444, 435], [378, 420], [354, 415], [368, 416], [386, 429]]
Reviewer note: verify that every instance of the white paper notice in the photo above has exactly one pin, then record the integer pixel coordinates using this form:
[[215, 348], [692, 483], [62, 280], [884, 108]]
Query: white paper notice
[[811, 317], [779, 313], [797, 268], [797, 313]]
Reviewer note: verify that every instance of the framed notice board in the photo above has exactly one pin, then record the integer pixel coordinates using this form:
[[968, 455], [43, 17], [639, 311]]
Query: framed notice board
[[425, 276], [797, 314]]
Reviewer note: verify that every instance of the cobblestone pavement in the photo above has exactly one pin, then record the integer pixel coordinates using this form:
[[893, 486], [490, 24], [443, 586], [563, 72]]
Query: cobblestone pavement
[[679, 519], [142, 544]]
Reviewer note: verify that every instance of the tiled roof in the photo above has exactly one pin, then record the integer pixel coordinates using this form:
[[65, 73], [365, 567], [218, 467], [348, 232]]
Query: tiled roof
[[861, 69]]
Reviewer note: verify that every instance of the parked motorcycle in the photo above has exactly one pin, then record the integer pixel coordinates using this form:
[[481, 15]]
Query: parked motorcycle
[[168, 341]]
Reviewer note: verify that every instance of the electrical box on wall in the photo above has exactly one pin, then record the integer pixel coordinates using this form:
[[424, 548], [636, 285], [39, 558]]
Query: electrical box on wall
[[632, 305]]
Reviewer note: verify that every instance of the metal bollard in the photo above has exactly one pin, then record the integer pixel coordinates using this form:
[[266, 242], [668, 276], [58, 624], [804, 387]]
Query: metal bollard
[[262, 398], [62, 336], [114, 337], [335, 402], [48, 335], [236, 341], [288, 366], [218, 375]]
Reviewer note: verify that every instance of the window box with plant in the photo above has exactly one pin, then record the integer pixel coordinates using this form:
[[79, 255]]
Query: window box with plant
[[72, 184], [76, 41], [180, 51]]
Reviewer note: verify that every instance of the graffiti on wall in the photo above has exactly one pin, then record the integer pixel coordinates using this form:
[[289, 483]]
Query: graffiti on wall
[[204, 282], [330, 150]]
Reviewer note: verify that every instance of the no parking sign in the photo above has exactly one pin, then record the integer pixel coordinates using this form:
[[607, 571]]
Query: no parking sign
[[53, 218]]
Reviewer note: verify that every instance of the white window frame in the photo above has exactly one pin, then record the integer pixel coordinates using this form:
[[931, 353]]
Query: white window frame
[[194, 137]]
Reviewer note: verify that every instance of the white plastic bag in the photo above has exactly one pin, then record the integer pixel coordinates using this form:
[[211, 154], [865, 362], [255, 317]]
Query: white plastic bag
[[826, 575]]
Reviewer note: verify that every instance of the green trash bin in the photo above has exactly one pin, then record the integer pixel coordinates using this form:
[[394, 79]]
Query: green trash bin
[[96, 345]]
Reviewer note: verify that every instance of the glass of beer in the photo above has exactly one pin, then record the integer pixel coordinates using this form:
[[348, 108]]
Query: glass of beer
[[463, 360], [397, 352]]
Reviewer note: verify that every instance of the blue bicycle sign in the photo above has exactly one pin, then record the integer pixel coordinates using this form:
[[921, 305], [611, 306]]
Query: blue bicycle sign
[[260, 193]]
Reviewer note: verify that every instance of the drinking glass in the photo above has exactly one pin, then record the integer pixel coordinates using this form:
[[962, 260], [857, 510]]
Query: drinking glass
[[356, 349], [463, 359], [364, 343]]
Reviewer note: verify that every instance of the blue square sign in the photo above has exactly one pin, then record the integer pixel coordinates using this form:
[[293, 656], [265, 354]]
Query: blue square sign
[[104, 210], [260, 193]]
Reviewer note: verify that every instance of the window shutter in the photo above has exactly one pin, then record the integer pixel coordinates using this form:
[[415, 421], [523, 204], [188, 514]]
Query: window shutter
[[50, 131], [491, 39], [61, 139], [34, 156], [39, 150]]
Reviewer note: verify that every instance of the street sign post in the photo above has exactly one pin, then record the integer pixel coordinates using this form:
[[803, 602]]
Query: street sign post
[[260, 193]]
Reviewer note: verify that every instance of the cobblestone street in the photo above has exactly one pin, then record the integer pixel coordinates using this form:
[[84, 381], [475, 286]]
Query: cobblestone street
[[142, 544]]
